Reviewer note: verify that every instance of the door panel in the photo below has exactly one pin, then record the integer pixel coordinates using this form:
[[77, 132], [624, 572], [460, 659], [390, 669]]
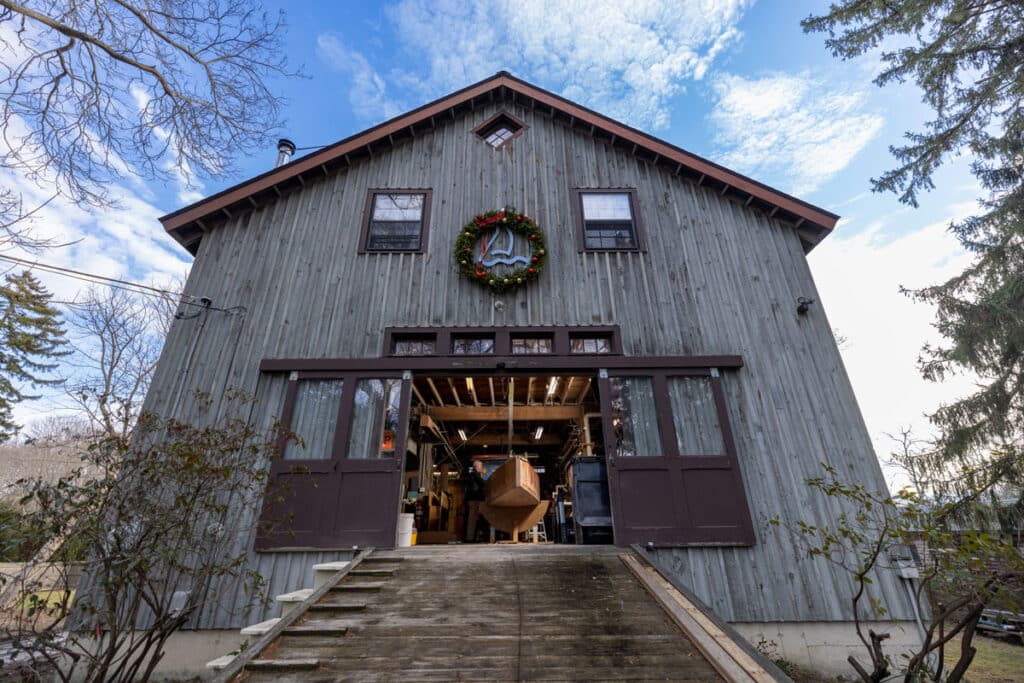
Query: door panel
[[690, 491], [349, 496]]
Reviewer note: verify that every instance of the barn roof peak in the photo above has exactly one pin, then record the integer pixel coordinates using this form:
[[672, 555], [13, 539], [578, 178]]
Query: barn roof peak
[[188, 224]]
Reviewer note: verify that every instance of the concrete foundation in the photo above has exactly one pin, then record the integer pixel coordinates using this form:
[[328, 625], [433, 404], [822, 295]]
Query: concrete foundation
[[823, 646]]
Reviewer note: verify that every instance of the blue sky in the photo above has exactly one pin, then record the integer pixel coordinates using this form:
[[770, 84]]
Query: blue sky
[[735, 81]]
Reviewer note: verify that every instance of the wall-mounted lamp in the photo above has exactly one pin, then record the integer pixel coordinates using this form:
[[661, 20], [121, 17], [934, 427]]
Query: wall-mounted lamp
[[803, 305]]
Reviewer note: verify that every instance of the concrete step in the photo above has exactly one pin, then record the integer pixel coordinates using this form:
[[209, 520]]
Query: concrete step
[[260, 628], [323, 572], [290, 601], [220, 663], [381, 559]]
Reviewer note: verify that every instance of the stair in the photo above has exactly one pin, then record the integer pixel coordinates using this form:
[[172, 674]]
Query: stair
[[510, 613]]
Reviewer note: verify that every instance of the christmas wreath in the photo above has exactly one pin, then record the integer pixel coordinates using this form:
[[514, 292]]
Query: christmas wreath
[[491, 227]]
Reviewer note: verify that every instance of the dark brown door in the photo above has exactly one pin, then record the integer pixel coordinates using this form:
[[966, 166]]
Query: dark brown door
[[371, 467], [339, 487], [673, 474]]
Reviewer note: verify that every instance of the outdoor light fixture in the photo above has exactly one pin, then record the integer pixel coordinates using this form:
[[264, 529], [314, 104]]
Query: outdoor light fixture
[[552, 385], [462, 435], [803, 304], [536, 434]]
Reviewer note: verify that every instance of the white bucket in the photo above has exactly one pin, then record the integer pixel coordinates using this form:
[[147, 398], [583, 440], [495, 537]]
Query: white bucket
[[405, 522]]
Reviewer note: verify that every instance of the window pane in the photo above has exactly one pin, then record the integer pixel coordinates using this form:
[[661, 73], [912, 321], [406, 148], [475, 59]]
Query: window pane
[[314, 419], [608, 235], [612, 206], [396, 223], [375, 414], [413, 347], [398, 207], [472, 345], [635, 417], [695, 416], [531, 345], [590, 345], [392, 235]]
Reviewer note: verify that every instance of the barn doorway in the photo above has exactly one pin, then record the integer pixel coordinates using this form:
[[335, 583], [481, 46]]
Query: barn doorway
[[539, 440]]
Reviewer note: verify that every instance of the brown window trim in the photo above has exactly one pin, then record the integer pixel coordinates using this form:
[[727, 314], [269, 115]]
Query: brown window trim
[[502, 336], [364, 231], [477, 132], [634, 206]]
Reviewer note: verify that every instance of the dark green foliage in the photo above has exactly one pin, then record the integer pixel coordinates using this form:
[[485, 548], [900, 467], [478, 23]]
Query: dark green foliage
[[968, 59], [31, 337], [19, 541]]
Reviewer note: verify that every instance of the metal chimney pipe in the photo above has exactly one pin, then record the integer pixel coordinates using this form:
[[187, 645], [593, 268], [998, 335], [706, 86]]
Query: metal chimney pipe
[[285, 150]]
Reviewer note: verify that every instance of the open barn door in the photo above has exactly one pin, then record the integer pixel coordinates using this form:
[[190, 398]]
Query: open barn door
[[673, 474], [339, 487]]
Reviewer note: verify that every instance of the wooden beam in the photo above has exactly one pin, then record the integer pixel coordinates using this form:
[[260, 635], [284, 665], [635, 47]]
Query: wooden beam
[[433, 388], [500, 413], [455, 392], [492, 438]]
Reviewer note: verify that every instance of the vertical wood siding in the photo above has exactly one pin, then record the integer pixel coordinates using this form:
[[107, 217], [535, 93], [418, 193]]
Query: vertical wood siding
[[717, 279]]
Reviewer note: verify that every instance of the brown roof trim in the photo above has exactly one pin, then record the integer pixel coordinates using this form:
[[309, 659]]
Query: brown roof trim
[[190, 219]]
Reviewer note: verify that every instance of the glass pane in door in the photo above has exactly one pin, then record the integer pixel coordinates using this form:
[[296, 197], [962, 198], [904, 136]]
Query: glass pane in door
[[635, 417], [695, 416], [375, 414], [313, 419]]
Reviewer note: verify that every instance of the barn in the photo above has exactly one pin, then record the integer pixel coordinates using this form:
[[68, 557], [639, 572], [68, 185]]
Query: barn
[[505, 272]]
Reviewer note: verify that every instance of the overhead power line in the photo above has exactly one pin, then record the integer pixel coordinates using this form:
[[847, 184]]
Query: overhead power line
[[114, 283]]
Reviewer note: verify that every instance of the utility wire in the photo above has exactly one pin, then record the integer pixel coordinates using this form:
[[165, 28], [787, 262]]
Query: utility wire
[[114, 283]]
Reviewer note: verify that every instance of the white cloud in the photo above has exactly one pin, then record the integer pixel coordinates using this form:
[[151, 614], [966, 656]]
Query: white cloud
[[368, 91], [859, 277], [792, 127], [625, 59]]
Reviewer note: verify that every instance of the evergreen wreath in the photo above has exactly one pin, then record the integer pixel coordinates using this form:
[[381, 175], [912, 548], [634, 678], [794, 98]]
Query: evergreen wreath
[[486, 223]]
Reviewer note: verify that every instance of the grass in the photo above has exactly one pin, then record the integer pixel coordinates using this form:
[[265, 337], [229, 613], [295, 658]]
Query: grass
[[997, 661]]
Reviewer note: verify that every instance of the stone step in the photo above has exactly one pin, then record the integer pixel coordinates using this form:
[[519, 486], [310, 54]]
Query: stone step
[[260, 628], [379, 559], [282, 665]]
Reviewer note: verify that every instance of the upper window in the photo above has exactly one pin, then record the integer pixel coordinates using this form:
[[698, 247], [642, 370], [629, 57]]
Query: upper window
[[525, 345], [413, 345], [499, 130], [396, 220], [472, 345], [590, 344], [607, 220]]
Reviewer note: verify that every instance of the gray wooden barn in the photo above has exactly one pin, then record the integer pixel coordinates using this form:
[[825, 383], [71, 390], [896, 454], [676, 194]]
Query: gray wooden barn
[[386, 296]]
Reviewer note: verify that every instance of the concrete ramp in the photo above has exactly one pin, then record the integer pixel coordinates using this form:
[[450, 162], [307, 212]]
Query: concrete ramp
[[485, 613]]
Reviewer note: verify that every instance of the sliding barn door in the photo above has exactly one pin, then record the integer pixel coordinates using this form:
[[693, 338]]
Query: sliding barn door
[[673, 473], [340, 486]]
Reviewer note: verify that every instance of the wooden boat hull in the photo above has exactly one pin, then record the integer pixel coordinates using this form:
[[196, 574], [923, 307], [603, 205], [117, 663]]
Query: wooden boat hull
[[513, 485], [513, 520]]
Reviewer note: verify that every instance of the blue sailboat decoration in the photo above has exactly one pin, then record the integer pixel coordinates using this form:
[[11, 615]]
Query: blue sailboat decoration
[[497, 255]]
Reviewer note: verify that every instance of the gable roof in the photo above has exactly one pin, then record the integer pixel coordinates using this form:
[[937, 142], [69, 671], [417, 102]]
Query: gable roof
[[188, 224]]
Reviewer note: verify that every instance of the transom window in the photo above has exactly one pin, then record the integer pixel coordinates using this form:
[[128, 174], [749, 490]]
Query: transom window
[[413, 346], [579, 344], [523, 345], [608, 220], [396, 221], [499, 130], [472, 346]]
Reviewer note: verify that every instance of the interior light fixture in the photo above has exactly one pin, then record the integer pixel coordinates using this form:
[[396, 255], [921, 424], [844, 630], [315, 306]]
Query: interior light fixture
[[462, 435], [537, 434], [552, 385]]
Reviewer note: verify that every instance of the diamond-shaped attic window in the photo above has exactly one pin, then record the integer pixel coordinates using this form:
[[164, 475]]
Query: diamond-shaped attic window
[[499, 130]]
